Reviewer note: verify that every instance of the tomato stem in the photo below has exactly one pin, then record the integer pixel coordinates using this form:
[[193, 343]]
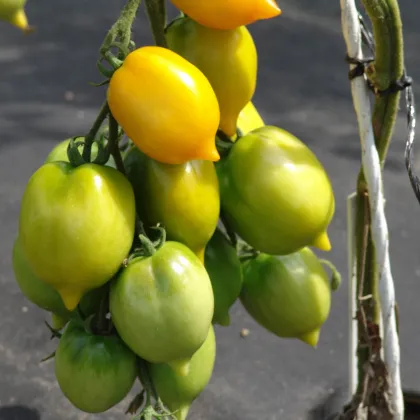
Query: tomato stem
[[229, 230], [335, 277], [156, 12], [103, 325], [114, 137], [90, 137], [147, 245]]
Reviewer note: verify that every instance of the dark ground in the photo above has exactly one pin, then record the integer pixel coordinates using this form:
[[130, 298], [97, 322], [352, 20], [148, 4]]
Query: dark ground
[[302, 87]]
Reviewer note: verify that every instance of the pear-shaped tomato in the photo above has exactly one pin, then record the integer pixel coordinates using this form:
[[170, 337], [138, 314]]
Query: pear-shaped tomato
[[34, 289], [166, 106], [59, 153], [249, 119], [228, 14], [184, 198], [94, 372], [288, 295], [224, 268], [227, 58], [275, 193], [178, 392], [76, 226], [162, 305], [12, 11]]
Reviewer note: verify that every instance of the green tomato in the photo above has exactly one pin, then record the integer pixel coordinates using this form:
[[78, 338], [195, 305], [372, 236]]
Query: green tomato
[[94, 372], [224, 269], [178, 392], [162, 305], [275, 193], [34, 289], [288, 295], [184, 198], [59, 153], [76, 226]]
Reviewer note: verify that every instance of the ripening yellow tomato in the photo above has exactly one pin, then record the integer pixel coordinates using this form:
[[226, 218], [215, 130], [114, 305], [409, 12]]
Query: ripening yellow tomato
[[249, 119], [227, 58], [166, 106], [228, 14]]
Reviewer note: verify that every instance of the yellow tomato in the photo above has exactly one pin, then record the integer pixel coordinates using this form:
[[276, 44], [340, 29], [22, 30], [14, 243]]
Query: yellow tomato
[[166, 106], [249, 119], [227, 58], [228, 14]]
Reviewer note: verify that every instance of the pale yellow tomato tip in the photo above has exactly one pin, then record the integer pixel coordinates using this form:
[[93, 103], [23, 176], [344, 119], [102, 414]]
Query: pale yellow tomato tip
[[311, 338], [21, 21], [322, 242], [182, 412], [180, 367], [200, 254], [58, 322], [71, 298]]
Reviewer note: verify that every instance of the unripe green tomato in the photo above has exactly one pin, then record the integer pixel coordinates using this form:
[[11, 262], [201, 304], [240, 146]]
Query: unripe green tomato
[[34, 289], [76, 226], [179, 392], [162, 305], [225, 271], [275, 193], [288, 295], [94, 372]]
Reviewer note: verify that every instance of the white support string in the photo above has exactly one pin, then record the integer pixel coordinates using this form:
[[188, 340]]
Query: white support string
[[379, 228]]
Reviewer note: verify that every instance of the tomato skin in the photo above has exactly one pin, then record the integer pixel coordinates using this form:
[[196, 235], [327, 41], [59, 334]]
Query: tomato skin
[[275, 193], [227, 58], [94, 372], [162, 305], [288, 295], [153, 114], [76, 226], [59, 153], [184, 198], [34, 289], [178, 392], [225, 272], [223, 14], [249, 119], [12, 11]]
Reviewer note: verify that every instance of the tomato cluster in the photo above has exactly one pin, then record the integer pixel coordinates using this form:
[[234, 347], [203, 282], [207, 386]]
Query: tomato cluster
[[137, 254]]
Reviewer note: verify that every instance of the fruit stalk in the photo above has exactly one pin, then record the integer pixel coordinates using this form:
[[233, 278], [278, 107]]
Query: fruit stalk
[[156, 12], [90, 137]]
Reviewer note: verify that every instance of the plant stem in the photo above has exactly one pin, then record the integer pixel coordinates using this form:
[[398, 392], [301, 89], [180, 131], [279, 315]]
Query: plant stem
[[156, 12], [122, 27], [90, 137], [114, 144], [102, 324], [387, 68]]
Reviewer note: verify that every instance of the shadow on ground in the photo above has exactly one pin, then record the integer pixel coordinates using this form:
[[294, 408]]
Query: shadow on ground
[[18, 412]]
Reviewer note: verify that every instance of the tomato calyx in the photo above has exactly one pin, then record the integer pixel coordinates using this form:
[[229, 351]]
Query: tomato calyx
[[147, 247], [76, 158], [54, 332]]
